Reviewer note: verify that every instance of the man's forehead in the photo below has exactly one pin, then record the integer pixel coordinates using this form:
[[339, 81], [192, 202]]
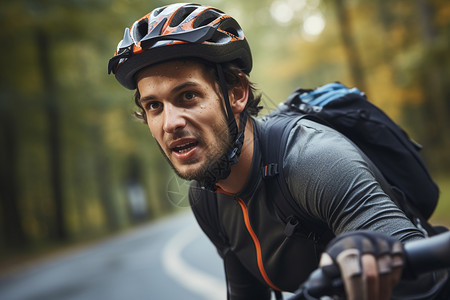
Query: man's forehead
[[175, 72]]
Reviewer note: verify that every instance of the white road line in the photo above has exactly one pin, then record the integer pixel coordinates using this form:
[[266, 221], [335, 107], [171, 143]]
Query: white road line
[[192, 279]]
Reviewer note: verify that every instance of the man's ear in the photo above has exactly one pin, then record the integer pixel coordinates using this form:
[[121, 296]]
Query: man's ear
[[239, 95]]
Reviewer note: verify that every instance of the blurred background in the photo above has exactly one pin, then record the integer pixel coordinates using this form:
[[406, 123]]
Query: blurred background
[[76, 166]]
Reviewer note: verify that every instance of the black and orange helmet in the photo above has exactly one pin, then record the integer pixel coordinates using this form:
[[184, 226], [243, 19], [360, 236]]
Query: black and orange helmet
[[176, 31]]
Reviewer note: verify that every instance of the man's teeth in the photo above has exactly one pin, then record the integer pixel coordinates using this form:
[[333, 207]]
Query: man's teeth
[[184, 148]]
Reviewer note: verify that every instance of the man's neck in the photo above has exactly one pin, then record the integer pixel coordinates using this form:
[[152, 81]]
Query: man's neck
[[239, 172]]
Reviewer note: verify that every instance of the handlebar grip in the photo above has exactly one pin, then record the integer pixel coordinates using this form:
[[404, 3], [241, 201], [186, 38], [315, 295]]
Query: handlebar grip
[[427, 255], [325, 281]]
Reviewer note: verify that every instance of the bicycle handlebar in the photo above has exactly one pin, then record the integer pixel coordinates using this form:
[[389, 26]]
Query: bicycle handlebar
[[427, 255], [420, 256]]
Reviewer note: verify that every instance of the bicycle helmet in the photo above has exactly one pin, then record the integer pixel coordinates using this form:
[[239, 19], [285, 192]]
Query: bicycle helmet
[[175, 31], [188, 30]]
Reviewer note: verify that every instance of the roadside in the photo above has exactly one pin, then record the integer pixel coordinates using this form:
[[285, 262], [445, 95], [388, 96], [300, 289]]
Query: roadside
[[13, 261]]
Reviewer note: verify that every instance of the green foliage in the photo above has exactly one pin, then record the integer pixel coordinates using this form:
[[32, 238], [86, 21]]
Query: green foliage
[[96, 131], [441, 215]]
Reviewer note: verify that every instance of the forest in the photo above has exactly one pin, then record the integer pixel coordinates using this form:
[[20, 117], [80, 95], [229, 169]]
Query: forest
[[76, 165]]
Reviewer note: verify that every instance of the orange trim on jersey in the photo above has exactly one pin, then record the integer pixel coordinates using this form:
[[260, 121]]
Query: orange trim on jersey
[[219, 190], [257, 245]]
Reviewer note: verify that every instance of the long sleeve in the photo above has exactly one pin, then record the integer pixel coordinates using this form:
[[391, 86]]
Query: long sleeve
[[334, 183]]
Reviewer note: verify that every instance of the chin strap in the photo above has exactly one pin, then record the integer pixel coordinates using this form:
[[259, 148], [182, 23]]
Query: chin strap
[[222, 168]]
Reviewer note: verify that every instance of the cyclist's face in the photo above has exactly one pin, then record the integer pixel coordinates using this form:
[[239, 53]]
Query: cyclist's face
[[185, 115]]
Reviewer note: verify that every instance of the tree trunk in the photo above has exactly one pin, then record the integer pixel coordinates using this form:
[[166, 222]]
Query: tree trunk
[[54, 140], [11, 217], [436, 107], [104, 181], [349, 44]]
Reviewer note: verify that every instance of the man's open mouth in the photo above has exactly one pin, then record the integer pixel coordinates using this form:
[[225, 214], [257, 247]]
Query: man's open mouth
[[185, 147]]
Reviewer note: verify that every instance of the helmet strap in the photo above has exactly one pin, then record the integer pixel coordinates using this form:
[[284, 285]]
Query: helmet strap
[[223, 167], [224, 88]]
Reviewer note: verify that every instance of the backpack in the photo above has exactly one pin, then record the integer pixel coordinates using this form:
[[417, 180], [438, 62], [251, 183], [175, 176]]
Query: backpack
[[386, 144]]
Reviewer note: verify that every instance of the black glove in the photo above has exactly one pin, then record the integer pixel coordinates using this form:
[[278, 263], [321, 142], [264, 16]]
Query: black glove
[[370, 263]]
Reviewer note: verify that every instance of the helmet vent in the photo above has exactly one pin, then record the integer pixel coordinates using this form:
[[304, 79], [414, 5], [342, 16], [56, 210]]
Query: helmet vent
[[206, 18], [232, 27], [156, 12], [232, 30], [141, 30], [181, 15], [219, 38]]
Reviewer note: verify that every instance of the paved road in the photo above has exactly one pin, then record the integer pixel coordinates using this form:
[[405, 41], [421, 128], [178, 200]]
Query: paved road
[[170, 259]]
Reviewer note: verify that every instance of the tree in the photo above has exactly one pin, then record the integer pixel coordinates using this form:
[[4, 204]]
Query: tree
[[348, 42], [13, 231], [436, 107]]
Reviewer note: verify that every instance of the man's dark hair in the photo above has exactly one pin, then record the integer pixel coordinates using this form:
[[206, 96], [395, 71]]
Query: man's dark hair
[[231, 72]]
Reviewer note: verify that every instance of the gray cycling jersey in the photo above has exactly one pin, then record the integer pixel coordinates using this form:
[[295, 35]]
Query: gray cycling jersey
[[332, 182]]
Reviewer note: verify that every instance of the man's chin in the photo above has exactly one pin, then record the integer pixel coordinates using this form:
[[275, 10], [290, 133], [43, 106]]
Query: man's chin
[[191, 172], [199, 169]]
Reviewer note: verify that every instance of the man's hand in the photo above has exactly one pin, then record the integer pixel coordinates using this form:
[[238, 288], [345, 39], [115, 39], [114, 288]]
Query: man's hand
[[370, 263]]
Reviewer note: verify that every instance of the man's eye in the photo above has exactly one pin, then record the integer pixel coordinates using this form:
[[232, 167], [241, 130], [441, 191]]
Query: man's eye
[[152, 106], [189, 95]]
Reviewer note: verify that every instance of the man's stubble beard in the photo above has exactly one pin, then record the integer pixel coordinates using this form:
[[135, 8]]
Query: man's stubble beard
[[214, 153]]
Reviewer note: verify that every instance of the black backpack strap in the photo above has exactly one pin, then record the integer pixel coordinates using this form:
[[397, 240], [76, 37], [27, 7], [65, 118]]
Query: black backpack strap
[[273, 139], [204, 206]]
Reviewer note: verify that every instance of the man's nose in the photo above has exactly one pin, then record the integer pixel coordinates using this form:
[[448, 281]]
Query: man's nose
[[173, 119]]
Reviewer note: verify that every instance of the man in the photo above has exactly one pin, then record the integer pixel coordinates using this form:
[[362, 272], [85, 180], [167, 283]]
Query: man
[[189, 65]]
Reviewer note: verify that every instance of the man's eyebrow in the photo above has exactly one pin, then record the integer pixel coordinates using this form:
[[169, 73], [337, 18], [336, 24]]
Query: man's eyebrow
[[174, 90], [184, 85], [146, 98]]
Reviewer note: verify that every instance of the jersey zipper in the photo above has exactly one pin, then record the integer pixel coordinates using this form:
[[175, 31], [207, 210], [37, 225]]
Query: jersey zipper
[[255, 239], [257, 245]]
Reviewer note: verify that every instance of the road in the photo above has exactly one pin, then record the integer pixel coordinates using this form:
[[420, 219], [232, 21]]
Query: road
[[169, 259]]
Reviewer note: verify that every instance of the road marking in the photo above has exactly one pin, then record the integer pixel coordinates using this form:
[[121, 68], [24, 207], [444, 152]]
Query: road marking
[[192, 279]]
